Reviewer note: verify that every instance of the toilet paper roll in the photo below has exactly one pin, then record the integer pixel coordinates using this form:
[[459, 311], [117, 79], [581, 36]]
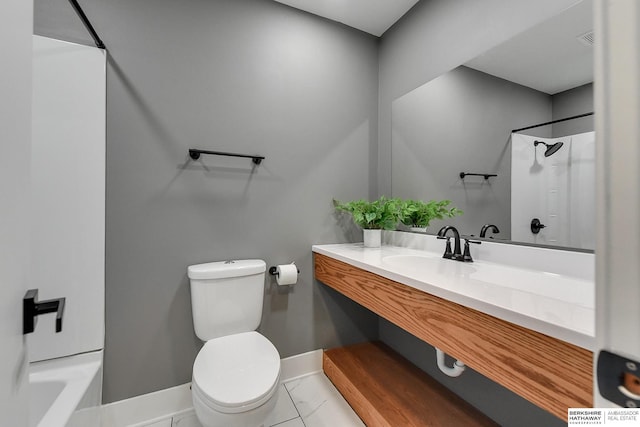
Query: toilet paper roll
[[286, 274]]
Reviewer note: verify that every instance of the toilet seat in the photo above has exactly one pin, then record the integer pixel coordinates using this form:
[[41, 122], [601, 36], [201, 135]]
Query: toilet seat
[[236, 373]]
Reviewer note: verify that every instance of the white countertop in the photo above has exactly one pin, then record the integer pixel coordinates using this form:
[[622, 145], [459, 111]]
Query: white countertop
[[557, 305]]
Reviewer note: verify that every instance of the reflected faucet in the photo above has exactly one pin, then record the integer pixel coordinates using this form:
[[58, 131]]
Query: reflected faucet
[[442, 234], [488, 227]]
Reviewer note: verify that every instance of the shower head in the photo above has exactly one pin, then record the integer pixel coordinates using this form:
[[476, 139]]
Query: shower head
[[551, 148]]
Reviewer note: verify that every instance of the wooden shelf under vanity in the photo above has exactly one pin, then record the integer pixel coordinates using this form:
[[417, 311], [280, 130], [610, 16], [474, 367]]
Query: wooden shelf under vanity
[[551, 373], [386, 390]]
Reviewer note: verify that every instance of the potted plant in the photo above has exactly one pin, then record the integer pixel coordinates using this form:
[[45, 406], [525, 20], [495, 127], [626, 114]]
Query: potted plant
[[418, 214], [373, 217]]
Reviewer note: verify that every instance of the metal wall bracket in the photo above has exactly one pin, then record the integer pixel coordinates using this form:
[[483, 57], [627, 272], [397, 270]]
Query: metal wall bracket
[[87, 24]]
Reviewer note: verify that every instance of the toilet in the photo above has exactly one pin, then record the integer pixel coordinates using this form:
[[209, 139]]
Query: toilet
[[237, 372]]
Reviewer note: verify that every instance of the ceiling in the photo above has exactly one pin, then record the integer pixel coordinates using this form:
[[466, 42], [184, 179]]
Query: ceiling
[[549, 57], [371, 16]]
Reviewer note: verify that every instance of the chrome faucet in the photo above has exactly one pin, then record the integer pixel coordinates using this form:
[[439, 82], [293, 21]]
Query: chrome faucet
[[488, 227], [457, 253]]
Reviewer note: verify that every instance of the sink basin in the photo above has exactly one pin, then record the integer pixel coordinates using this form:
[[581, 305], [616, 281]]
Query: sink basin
[[409, 261], [422, 262], [433, 263], [430, 267]]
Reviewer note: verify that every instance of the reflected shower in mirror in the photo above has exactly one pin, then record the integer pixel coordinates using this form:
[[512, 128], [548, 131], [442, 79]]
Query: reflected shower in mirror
[[553, 180], [463, 120]]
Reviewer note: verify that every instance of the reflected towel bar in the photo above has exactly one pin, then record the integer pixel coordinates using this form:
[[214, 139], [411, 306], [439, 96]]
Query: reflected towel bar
[[485, 175], [194, 153]]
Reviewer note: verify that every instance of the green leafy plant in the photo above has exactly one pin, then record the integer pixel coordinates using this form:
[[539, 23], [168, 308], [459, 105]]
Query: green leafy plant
[[418, 213], [380, 214]]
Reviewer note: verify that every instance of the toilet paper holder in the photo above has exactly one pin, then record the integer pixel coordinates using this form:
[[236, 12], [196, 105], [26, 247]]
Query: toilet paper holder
[[273, 270]]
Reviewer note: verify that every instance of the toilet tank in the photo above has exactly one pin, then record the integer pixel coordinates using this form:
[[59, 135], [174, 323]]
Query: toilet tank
[[226, 297]]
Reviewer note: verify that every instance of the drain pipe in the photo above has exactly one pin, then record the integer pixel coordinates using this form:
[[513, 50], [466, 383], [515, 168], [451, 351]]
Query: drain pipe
[[455, 371]]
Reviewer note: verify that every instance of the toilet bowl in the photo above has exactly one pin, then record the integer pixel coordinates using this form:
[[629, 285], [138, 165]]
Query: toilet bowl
[[236, 374], [235, 381]]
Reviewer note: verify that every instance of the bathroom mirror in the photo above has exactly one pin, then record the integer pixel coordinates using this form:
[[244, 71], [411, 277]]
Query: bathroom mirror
[[461, 122]]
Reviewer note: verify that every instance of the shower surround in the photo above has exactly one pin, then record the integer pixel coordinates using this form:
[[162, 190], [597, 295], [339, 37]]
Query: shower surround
[[558, 190], [67, 220]]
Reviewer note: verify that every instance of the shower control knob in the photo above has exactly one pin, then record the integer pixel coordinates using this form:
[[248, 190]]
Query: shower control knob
[[536, 226]]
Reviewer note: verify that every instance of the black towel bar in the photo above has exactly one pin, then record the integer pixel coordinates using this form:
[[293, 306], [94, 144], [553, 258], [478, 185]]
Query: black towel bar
[[485, 175], [194, 153]]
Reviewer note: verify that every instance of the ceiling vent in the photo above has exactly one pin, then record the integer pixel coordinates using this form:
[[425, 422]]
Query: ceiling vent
[[586, 38]]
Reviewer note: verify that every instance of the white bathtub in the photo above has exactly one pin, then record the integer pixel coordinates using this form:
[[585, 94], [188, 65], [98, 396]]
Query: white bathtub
[[60, 387]]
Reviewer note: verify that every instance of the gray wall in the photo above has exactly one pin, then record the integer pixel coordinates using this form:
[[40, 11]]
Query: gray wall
[[462, 121], [570, 103], [259, 77], [249, 76]]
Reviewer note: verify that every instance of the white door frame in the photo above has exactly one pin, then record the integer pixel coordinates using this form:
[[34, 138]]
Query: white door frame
[[617, 106]]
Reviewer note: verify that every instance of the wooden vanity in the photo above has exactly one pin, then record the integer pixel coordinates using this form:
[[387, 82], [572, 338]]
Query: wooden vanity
[[386, 390], [551, 373]]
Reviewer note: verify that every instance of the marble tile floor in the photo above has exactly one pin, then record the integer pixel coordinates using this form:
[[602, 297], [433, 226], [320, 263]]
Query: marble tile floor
[[310, 401]]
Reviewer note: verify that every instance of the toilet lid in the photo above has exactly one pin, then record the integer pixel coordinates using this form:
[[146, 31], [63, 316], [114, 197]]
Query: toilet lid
[[239, 370]]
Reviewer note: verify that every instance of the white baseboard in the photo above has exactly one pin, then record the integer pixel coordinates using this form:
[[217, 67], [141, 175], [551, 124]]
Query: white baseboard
[[301, 365], [147, 407], [170, 401]]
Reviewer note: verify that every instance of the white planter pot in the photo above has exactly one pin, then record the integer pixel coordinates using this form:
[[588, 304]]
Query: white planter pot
[[372, 238], [418, 229]]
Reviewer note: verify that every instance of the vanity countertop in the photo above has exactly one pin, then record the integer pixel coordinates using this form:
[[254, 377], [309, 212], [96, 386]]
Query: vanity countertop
[[557, 305]]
